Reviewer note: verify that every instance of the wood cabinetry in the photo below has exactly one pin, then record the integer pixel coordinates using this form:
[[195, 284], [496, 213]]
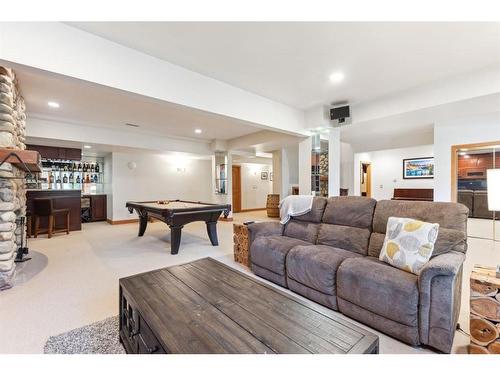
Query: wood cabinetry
[[474, 166], [63, 153], [98, 207]]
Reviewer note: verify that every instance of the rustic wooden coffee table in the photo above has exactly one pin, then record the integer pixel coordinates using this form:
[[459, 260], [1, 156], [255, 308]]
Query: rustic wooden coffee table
[[207, 307]]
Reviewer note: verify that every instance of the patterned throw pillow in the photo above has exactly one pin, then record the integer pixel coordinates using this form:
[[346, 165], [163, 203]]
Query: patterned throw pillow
[[408, 243]]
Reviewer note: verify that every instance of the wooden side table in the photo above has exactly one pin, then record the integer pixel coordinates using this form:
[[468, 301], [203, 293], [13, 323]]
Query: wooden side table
[[484, 311], [241, 244]]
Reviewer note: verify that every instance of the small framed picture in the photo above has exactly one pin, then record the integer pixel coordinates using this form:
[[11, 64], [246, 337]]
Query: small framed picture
[[418, 168], [270, 176], [263, 175]]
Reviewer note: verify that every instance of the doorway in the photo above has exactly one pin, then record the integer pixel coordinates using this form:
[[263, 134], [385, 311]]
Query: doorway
[[366, 180], [236, 188], [470, 164]]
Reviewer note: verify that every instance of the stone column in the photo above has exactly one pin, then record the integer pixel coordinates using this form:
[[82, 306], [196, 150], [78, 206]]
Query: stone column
[[12, 188]]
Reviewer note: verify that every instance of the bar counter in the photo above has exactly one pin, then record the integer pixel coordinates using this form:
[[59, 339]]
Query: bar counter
[[61, 199]]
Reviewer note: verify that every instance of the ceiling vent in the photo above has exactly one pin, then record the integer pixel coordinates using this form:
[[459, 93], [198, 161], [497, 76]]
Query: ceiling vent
[[132, 125]]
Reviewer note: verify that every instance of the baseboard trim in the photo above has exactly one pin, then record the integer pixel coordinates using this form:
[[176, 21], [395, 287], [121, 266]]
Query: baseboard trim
[[252, 209], [118, 222]]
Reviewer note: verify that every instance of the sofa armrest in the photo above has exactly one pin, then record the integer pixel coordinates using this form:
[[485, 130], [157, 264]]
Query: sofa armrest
[[266, 228], [440, 287]]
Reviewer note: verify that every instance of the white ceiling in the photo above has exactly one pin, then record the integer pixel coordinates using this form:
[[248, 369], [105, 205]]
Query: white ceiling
[[86, 103], [415, 127], [290, 61]]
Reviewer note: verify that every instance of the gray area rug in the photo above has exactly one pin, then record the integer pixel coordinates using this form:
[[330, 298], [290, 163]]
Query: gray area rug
[[96, 338]]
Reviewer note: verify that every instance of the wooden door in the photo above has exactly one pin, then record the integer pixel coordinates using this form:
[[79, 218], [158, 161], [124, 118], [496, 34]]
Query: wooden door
[[369, 180], [236, 188]]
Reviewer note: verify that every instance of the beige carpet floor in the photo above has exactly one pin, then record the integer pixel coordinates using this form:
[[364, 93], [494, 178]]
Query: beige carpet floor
[[72, 280]]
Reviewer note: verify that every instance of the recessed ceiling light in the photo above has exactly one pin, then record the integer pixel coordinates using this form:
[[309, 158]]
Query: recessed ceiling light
[[53, 104], [87, 146], [197, 131], [336, 77]]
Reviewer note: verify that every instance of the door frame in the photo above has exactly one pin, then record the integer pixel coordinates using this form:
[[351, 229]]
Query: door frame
[[236, 207], [368, 178], [454, 163]]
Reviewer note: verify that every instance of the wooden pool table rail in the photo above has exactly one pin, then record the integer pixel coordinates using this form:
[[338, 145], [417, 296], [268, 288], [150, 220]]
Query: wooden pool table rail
[[176, 218]]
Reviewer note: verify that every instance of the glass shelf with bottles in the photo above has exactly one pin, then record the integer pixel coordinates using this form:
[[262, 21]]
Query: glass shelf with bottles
[[68, 175]]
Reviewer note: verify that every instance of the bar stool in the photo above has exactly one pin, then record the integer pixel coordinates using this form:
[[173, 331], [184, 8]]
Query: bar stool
[[42, 207]]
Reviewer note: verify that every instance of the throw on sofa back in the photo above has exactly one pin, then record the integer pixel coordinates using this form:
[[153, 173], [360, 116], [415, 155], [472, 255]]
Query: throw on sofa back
[[451, 217], [347, 223], [305, 227]]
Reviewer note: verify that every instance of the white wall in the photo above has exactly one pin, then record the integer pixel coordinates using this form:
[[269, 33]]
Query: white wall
[[254, 190], [387, 170], [484, 128], [157, 177]]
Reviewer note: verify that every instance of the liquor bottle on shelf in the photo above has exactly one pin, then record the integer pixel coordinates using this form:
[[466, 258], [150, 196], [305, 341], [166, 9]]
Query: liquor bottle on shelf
[[65, 179], [92, 168], [96, 178], [58, 180], [51, 178], [87, 179], [78, 179], [79, 167], [73, 168], [65, 167], [96, 167], [71, 179]]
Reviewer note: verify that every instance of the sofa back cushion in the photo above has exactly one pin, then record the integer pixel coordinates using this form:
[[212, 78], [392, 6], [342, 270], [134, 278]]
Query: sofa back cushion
[[451, 217], [305, 227], [347, 223]]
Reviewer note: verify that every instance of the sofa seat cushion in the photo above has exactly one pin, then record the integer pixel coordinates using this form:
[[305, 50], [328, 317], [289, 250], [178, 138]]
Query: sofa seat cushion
[[269, 252], [379, 288], [316, 266]]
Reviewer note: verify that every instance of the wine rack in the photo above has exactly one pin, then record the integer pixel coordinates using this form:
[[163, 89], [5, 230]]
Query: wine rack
[[86, 175]]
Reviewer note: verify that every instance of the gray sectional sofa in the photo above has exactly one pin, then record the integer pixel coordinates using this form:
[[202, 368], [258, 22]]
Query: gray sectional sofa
[[330, 255]]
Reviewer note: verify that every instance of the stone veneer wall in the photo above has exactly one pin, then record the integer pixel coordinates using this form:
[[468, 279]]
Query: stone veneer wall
[[12, 191]]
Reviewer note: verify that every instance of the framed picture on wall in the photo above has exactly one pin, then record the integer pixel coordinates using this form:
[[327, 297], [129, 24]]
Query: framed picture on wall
[[263, 175], [418, 168]]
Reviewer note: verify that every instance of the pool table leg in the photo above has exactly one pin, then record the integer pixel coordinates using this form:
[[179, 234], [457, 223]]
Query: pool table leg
[[212, 232], [143, 223], [175, 239]]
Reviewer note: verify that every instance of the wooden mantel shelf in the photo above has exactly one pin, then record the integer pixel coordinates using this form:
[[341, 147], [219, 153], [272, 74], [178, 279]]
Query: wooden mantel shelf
[[31, 159]]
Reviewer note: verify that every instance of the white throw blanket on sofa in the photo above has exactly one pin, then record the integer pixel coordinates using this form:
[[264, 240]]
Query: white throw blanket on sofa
[[295, 205]]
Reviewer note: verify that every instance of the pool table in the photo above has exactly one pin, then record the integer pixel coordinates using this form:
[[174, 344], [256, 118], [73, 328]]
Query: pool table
[[176, 213]]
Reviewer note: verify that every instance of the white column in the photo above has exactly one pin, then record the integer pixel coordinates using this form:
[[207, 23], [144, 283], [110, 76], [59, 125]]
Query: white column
[[277, 173], [334, 162], [305, 166]]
